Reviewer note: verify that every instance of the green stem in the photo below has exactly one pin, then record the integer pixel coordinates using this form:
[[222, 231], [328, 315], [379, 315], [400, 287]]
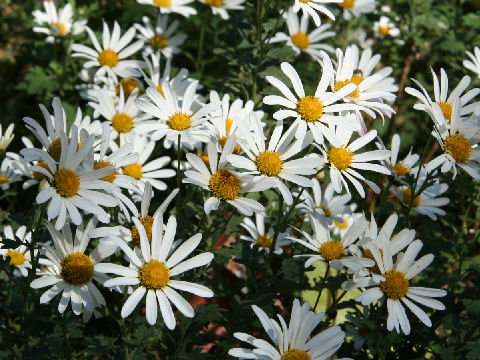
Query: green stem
[[198, 62], [322, 284], [179, 178], [66, 337], [335, 302]]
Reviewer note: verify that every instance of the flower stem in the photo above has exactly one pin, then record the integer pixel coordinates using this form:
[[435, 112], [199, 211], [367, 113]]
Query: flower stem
[[322, 284], [66, 337]]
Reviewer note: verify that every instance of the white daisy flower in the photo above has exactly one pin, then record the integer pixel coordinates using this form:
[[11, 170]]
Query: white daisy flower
[[223, 184], [458, 140], [340, 227], [395, 286], [171, 6], [403, 167], [72, 272], [174, 117], [292, 342], [311, 7], [153, 268], [355, 8], [275, 162], [298, 37], [445, 101], [311, 111], [151, 171], [113, 53], [373, 88], [473, 65], [343, 158], [161, 37], [9, 173], [220, 7], [57, 24], [326, 204], [263, 239], [384, 27], [337, 253], [6, 138], [20, 256], [72, 186]]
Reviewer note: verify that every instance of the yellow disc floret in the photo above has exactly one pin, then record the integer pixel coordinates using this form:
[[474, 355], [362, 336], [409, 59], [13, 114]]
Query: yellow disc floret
[[395, 286], [4, 179], [300, 40], [38, 175], [224, 185], [163, 3], [269, 163], [204, 158], [228, 124], [103, 164], [331, 250], [159, 41], [60, 28], [236, 150], [216, 3], [348, 4], [108, 57], [160, 89], [264, 241], [295, 354], [55, 149], [400, 169], [77, 269], [133, 170], [446, 110], [66, 182], [341, 225], [16, 257], [154, 275], [384, 30], [407, 197], [179, 121], [340, 157], [458, 147], [128, 85], [325, 210], [356, 79], [368, 254], [147, 222], [310, 108], [122, 122]]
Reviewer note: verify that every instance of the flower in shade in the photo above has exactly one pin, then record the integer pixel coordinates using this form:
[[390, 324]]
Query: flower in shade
[[355, 8], [263, 239], [171, 6], [18, 257], [473, 65], [294, 342], [9, 173], [400, 168], [311, 7], [153, 269], [6, 138], [113, 53], [220, 7], [384, 27]]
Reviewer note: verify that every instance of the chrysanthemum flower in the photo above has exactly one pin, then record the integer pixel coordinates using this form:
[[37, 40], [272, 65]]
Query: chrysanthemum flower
[[161, 37], [6, 138], [57, 24], [152, 270], [312, 111], [403, 167], [176, 117], [384, 27], [9, 173], [224, 184], [20, 256], [473, 65], [263, 239], [275, 161], [171, 6], [395, 286], [71, 272], [294, 342], [311, 7], [220, 7], [343, 158], [113, 53], [355, 8]]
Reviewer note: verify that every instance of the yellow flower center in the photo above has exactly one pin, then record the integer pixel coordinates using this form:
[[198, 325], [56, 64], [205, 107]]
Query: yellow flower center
[[108, 57], [459, 147], [384, 30], [368, 254], [269, 163], [66, 182], [179, 121], [55, 149], [224, 185], [122, 122], [103, 164], [348, 4], [446, 110], [16, 257], [331, 250], [159, 41], [204, 158], [77, 269], [60, 28], [229, 123], [295, 354], [341, 158], [38, 175], [216, 3], [128, 86], [400, 169], [341, 225], [300, 40], [265, 241], [4, 179], [147, 222], [356, 79], [133, 170], [236, 150], [154, 275], [163, 3], [326, 211], [310, 108], [395, 286], [305, 1], [407, 197], [160, 89]]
